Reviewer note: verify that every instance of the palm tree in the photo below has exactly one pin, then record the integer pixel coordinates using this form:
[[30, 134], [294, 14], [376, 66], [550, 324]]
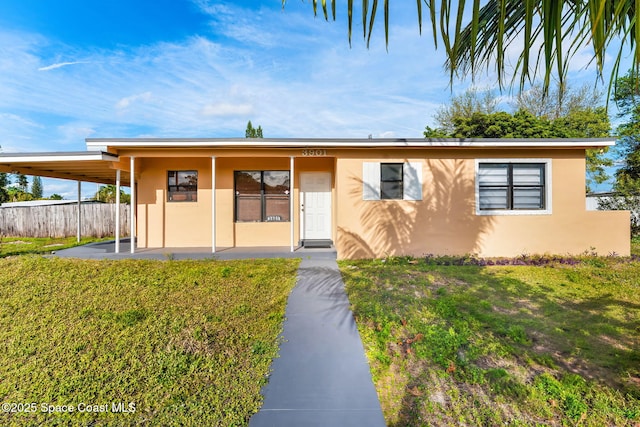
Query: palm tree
[[551, 32]]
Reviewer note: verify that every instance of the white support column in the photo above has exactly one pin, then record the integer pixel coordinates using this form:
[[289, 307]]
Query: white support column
[[132, 179], [79, 225], [291, 205], [213, 204], [117, 211]]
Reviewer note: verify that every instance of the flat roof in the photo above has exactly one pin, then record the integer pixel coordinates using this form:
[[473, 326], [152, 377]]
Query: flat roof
[[87, 166], [102, 143], [97, 165]]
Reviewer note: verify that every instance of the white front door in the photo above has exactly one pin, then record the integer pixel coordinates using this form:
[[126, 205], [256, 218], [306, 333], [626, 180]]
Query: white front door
[[315, 205]]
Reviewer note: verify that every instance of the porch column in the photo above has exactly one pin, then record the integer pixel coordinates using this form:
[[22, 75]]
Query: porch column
[[213, 204], [117, 211], [79, 224], [291, 205], [132, 221]]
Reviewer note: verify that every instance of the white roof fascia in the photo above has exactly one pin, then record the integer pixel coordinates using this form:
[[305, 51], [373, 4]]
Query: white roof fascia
[[56, 157], [346, 143]]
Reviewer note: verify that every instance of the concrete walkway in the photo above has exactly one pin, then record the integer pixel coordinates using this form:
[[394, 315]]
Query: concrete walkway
[[321, 377], [106, 250]]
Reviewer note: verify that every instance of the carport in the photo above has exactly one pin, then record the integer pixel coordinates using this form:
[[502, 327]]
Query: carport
[[83, 166]]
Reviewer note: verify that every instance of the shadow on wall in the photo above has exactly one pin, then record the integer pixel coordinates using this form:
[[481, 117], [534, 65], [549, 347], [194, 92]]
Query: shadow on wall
[[444, 222]]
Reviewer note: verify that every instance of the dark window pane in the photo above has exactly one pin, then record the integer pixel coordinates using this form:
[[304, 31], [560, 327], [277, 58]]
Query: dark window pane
[[248, 209], [276, 182], [262, 196], [391, 172], [182, 186], [391, 190], [248, 183], [276, 208], [187, 179]]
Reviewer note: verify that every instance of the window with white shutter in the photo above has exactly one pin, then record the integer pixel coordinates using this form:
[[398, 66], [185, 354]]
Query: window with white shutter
[[392, 181]]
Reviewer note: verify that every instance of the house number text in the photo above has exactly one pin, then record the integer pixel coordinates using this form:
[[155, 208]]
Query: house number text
[[314, 152]]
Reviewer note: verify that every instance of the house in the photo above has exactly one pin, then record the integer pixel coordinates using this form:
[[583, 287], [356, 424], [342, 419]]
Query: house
[[368, 197]]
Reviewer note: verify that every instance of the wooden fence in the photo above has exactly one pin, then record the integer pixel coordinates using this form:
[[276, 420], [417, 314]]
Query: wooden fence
[[97, 220]]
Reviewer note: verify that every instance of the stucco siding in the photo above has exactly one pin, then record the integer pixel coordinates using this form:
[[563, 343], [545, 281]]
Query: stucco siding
[[446, 220]]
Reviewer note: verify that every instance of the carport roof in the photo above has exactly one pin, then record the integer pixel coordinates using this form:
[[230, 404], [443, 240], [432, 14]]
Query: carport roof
[[86, 166]]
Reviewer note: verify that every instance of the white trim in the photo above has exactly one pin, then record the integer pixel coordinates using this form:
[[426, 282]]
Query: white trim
[[213, 204], [346, 143], [79, 224], [412, 186], [302, 196], [548, 185], [370, 180], [117, 231], [47, 158], [291, 205], [132, 179]]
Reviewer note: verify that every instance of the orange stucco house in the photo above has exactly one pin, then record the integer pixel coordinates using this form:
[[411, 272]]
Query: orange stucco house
[[368, 197]]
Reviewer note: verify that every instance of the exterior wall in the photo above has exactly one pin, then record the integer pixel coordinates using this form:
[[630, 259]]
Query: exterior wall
[[445, 220], [161, 223]]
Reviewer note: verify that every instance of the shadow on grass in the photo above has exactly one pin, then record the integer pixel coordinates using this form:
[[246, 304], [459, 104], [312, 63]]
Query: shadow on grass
[[495, 336]]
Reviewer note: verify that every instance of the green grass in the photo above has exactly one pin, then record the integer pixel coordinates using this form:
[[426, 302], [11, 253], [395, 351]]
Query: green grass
[[635, 245], [187, 342], [10, 246], [501, 345]]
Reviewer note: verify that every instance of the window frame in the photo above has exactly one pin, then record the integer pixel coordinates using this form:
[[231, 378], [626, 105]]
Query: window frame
[[191, 195], [263, 196], [400, 181], [546, 186]]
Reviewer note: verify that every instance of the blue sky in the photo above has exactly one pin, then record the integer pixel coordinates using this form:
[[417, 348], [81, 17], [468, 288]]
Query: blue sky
[[202, 68]]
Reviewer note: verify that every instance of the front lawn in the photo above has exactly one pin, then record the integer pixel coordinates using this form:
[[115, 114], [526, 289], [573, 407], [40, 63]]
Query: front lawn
[[172, 342], [40, 245], [501, 345]]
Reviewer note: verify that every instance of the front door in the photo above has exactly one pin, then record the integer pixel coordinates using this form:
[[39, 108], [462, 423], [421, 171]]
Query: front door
[[315, 205]]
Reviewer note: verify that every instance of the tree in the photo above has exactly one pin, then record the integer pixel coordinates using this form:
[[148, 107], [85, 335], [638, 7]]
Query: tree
[[582, 120], [55, 196], [17, 195], [23, 182], [627, 99], [550, 33], [4, 183], [471, 101], [107, 194], [36, 187], [558, 102], [252, 132]]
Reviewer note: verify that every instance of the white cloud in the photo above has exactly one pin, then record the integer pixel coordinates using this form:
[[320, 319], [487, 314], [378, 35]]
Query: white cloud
[[300, 79], [60, 65], [127, 101]]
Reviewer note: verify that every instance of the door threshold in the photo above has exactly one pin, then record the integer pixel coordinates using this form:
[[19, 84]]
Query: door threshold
[[317, 243]]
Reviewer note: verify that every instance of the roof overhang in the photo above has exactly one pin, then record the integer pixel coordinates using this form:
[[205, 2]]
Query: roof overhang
[[86, 166], [104, 143]]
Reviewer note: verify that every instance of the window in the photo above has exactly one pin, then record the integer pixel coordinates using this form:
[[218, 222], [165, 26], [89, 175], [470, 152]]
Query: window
[[392, 181], [182, 186], [512, 186], [262, 196]]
